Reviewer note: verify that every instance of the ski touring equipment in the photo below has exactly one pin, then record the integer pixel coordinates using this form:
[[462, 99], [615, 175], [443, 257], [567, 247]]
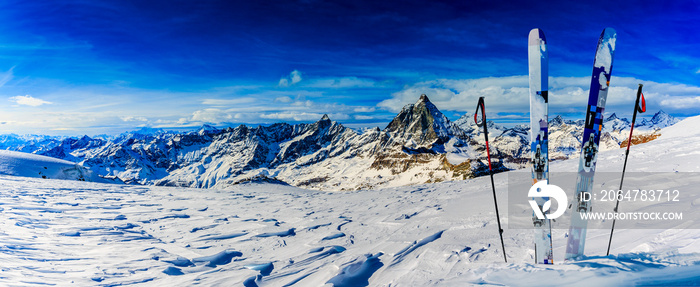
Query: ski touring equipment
[[538, 66], [600, 81], [480, 105], [640, 109]]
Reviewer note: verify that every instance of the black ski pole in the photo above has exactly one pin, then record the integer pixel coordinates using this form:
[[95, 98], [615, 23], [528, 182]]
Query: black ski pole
[[488, 155], [640, 109]]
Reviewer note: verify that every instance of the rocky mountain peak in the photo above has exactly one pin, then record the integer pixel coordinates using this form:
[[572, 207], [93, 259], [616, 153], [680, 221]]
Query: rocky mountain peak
[[425, 103], [615, 123], [661, 116], [611, 117], [423, 99], [660, 120], [422, 123], [324, 123], [206, 129], [464, 119], [557, 121], [149, 131]]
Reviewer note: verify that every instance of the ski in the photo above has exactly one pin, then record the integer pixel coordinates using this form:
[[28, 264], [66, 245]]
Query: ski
[[538, 65], [600, 81]]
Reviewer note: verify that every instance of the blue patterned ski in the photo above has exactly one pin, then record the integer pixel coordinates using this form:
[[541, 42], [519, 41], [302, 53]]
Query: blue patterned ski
[[602, 69], [538, 66]]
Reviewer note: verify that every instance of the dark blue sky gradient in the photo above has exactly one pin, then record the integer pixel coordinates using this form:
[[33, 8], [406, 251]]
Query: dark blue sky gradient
[[189, 50]]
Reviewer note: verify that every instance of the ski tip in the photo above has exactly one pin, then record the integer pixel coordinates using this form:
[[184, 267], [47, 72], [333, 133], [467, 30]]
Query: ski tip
[[536, 36], [608, 33]]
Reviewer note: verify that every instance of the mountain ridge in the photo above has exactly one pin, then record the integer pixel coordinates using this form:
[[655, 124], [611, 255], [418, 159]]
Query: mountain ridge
[[419, 145]]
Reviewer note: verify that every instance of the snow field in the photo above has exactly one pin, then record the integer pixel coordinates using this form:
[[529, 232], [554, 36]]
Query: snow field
[[71, 232]]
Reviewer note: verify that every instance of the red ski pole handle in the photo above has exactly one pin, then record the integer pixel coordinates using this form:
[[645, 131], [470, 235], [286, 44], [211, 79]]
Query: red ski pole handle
[[642, 107], [480, 105]]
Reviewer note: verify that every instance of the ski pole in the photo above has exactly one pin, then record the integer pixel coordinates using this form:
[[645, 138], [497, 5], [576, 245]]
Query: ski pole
[[640, 109], [488, 155]]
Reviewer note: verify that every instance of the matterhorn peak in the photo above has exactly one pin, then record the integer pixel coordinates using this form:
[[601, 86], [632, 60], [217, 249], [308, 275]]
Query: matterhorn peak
[[422, 122], [423, 99], [325, 118]]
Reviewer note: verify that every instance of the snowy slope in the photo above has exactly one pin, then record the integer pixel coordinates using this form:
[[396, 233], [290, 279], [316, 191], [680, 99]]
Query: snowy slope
[[32, 165], [70, 232], [687, 129]]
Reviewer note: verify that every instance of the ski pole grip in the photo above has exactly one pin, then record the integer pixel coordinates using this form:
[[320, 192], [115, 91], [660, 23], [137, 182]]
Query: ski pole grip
[[641, 106], [480, 105]]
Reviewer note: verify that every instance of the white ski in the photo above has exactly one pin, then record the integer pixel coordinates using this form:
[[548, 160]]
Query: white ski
[[602, 69], [538, 65]]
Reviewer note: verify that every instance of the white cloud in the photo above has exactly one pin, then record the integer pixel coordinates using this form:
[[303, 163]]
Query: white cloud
[[304, 116], [566, 94], [362, 117], [227, 102], [102, 111], [306, 103], [133, 119], [364, 110], [29, 101], [507, 117], [211, 116], [293, 78], [94, 110], [339, 116], [461, 95], [284, 99], [682, 103], [342, 83], [698, 71]]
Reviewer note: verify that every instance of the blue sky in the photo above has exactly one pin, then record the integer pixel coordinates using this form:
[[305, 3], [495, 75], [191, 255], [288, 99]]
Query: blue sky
[[92, 67]]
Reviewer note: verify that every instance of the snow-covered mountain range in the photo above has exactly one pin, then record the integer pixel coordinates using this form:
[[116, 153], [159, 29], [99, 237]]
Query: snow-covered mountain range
[[419, 145]]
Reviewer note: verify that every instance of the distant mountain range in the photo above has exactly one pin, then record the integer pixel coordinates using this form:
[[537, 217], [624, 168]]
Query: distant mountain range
[[419, 145]]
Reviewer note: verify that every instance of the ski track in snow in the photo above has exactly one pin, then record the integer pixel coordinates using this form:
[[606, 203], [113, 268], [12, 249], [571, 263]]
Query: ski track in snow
[[69, 232]]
